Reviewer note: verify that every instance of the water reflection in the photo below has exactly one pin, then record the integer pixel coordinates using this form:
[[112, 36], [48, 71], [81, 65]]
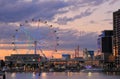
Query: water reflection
[[89, 74], [69, 74], [13, 75], [43, 74], [61, 75], [36, 75]]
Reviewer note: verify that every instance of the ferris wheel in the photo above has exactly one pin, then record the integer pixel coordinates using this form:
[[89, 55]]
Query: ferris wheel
[[35, 36]]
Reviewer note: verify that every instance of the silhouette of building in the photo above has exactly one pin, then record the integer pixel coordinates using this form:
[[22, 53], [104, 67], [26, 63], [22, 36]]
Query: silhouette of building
[[116, 33], [105, 43]]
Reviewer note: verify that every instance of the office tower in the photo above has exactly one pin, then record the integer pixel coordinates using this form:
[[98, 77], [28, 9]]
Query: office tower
[[105, 43], [116, 33]]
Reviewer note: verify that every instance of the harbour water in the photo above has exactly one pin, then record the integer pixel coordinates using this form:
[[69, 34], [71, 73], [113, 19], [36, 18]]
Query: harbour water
[[62, 75]]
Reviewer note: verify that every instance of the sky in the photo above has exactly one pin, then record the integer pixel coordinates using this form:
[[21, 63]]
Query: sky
[[77, 22]]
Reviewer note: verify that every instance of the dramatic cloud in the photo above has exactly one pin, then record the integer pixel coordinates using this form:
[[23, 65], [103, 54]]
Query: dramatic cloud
[[68, 38], [76, 21], [25, 10], [46, 10]]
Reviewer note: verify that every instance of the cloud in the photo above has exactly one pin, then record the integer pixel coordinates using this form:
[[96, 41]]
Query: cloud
[[23, 10], [46, 10], [111, 23], [113, 2], [69, 39], [83, 3], [92, 22], [19, 10], [6, 31], [109, 12], [66, 19], [79, 6], [107, 20], [93, 2], [27, 34]]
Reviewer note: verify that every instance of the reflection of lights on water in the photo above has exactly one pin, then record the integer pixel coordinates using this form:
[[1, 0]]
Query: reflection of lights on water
[[43, 74], [89, 74], [13, 75], [69, 74], [54, 73], [33, 74]]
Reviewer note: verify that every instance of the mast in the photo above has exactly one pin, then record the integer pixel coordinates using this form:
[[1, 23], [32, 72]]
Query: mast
[[35, 44]]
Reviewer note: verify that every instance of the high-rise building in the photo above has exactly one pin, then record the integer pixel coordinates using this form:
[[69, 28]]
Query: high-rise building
[[116, 33], [105, 43]]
